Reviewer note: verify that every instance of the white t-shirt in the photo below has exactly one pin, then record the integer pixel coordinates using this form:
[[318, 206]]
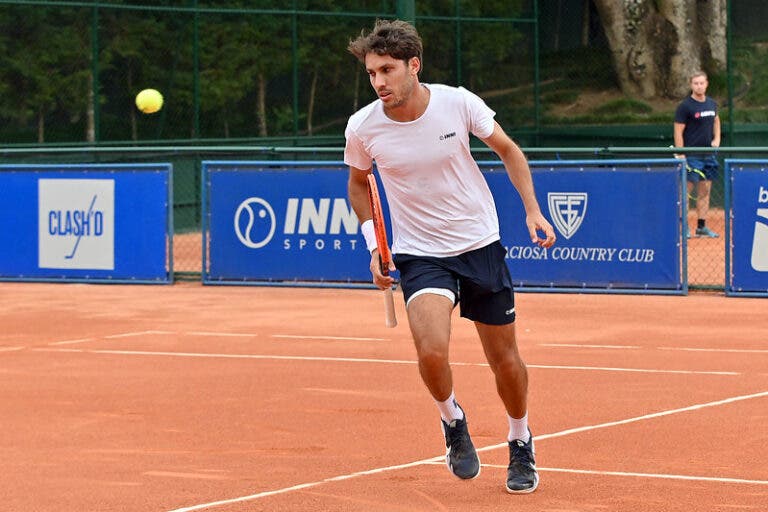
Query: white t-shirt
[[439, 201]]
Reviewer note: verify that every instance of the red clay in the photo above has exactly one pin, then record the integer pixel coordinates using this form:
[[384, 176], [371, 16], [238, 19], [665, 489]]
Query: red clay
[[153, 398]]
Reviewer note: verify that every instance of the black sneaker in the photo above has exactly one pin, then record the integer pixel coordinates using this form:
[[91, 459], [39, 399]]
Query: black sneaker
[[460, 454], [521, 472]]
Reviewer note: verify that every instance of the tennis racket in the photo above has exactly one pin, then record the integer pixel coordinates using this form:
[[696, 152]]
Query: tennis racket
[[385, 257]]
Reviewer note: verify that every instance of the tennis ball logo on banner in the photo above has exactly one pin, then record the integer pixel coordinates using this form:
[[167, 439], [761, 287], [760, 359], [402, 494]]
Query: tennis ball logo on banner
[[760, 240], [76, 224], [255, 223]]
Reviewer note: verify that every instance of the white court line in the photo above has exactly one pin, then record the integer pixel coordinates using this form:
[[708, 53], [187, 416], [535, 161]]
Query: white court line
[[576, 345], [138, 333], [636, 370], [222, 334], [337, 338], [70, 342], [366, 360], [663, 476], [733, 350], [11, 349], [635, 347], [486, 448]]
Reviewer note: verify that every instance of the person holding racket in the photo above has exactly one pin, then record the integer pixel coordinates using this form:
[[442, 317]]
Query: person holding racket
[[445, 229], [697, 124]]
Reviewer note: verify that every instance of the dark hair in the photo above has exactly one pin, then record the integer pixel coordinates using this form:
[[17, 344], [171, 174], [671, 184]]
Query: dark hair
[[398, 39]]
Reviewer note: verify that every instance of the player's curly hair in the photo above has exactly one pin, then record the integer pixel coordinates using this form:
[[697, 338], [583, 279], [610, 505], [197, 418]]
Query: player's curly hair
[[398, 39]]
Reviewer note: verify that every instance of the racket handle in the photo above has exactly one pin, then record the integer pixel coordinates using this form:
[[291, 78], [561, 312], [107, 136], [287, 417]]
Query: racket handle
[[390, 320]]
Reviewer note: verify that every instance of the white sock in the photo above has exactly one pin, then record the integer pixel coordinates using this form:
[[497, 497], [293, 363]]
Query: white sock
[[450, 410], [518, 429]]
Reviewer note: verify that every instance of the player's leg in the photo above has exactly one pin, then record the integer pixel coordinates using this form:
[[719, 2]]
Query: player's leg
[[429, 317], [508, 367], [703, 193], [430, 293], [690, 187], [511, 376], [487, 298]]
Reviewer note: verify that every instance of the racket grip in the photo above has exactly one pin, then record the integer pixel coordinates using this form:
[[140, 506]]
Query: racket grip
[[390, 320]]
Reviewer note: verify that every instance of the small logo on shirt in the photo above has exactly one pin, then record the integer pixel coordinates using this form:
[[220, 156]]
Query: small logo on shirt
[[510, 311], [705, 113], [447, 135]]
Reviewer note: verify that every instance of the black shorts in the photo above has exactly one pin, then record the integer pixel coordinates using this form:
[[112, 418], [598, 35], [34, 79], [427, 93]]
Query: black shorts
[[479, 280], [701, 168]]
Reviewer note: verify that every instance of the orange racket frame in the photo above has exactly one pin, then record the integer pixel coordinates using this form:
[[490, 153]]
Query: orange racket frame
[[385, 256]]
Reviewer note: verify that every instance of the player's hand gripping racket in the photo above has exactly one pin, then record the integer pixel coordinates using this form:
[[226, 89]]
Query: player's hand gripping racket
[[385, 257]]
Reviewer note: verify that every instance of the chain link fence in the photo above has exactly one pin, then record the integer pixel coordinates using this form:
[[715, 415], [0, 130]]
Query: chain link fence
[[272, 80]]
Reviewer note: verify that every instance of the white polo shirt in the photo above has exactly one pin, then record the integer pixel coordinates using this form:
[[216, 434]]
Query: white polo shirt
[[439, 202]]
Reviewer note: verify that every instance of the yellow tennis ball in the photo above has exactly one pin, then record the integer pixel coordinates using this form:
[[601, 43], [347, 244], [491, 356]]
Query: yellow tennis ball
[[149, 101]]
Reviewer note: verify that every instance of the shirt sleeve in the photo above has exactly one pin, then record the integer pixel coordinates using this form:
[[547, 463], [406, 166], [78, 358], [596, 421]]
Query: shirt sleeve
[[480, 115], [355, 154], [681, 114]]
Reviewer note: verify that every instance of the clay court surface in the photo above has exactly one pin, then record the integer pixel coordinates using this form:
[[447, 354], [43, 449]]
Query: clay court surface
[[191, 397]]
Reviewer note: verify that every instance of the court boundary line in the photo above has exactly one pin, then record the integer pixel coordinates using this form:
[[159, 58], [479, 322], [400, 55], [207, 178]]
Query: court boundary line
[[370, 360], [221, 334], [663, 476], [432, 460]]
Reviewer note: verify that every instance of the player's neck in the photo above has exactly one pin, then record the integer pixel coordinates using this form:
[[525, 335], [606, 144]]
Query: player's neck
[[412, 109], [698, 97]]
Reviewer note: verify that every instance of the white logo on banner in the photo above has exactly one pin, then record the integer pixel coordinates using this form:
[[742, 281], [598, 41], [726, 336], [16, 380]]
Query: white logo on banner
[[247, 233], [567, 210], [760, 240], [255, 222], [76, 224]]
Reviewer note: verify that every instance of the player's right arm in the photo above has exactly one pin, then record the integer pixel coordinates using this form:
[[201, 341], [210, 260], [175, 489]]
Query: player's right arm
[[357, 190], [678, 137]]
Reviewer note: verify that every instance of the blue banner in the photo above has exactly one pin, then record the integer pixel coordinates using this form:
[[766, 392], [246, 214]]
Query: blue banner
[[86, 222], [281, 222], [747, 238], [618, 225]]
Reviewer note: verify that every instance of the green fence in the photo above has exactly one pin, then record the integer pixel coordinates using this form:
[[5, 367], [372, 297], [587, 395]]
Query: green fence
[[706, 256], [272, 79]]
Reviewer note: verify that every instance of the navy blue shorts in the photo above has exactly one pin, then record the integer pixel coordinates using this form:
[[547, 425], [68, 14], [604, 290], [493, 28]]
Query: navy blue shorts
[[701, 168], [479, 280]]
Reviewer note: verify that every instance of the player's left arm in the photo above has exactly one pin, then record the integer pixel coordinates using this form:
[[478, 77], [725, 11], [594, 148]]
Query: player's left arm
[[716, 132], [520, 175]]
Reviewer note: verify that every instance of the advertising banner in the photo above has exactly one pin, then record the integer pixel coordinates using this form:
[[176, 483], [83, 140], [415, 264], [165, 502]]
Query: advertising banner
[[281, 222], [86, 222], [618, 225], [747, 233]]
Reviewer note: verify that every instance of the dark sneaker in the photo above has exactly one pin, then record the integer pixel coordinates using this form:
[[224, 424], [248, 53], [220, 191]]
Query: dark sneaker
[[521, 472], [460, 454], [706, 232]]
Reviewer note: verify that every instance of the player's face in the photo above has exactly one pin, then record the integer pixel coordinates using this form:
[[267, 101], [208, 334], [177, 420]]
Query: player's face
[[699, 85], [393, 80]]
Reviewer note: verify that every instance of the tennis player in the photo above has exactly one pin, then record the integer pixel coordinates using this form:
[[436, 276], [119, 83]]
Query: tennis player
[[698, 124], [445, 228]]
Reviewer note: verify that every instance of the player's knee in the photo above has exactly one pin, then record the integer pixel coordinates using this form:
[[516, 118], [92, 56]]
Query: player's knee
[[511, 365], [432, 359]]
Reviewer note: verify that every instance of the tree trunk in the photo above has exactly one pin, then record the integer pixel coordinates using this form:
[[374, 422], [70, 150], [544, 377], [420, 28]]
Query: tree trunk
[[261, 105], [585, 21], [311, 104], [657, 44], [40, 126], [90, 113]]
